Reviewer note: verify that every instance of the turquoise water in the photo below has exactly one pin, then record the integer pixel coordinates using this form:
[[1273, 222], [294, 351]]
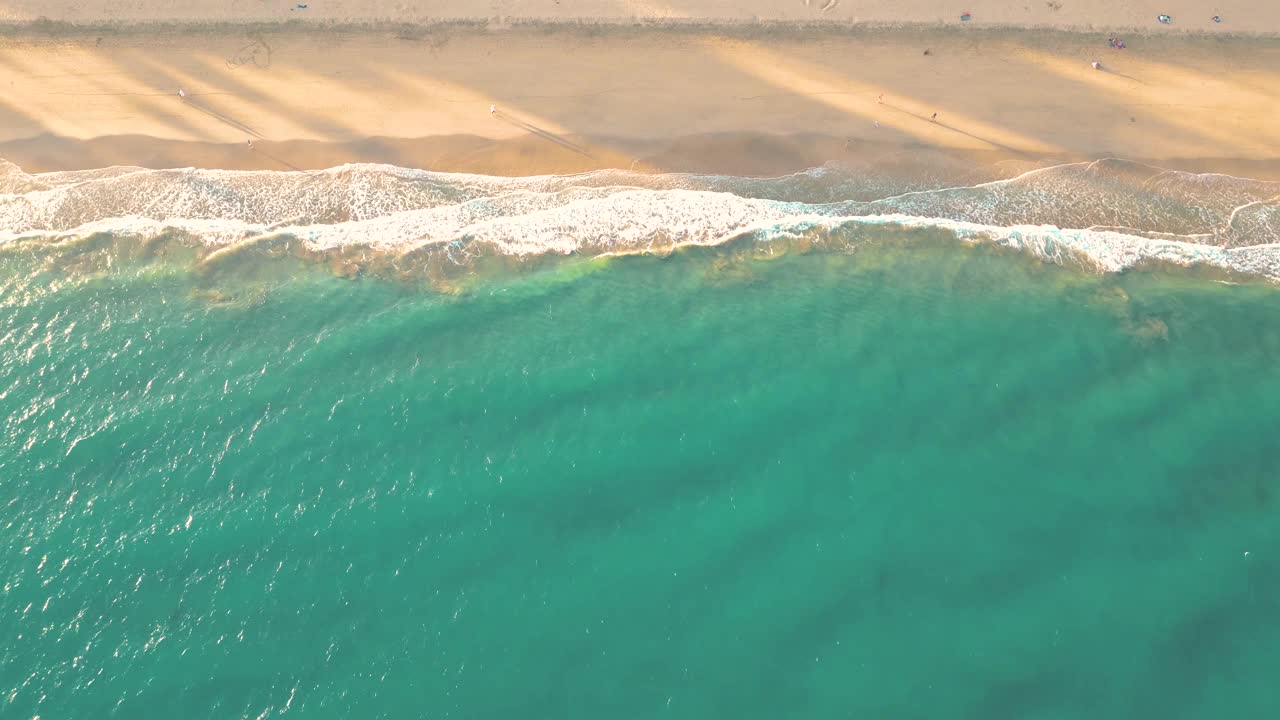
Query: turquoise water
[[915, 480]]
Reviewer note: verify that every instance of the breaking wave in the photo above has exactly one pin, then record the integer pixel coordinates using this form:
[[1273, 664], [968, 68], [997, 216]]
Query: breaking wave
[[1108, 215]]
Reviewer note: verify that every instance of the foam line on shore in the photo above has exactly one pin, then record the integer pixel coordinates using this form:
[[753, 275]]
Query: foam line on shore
[[1109, 214]]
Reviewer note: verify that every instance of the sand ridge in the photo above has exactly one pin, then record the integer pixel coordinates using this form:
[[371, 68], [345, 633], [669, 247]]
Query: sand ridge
[[1238, 16]]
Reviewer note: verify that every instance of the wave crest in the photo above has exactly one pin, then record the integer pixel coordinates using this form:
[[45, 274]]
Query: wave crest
[[1108, 214]]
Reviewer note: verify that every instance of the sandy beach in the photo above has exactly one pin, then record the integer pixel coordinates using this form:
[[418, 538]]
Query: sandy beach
[[262, 92]]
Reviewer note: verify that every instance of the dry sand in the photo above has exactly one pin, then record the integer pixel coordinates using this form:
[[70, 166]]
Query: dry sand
[[745, 99], [1239, 16]]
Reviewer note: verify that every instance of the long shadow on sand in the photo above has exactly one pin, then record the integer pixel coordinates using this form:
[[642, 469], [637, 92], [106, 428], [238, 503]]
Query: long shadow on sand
[[544, 134], [954, 129], [222, 118]]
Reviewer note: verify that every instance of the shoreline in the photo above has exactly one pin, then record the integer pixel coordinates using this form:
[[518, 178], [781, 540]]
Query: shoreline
[[729, 154]]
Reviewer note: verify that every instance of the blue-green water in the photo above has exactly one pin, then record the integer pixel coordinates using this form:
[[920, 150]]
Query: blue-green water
[[916, 480]]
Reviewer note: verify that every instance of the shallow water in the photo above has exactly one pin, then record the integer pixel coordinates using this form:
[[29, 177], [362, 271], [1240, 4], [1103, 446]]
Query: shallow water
[[908, 478]]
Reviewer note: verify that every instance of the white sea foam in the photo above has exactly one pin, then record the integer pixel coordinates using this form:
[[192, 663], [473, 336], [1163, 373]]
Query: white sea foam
[[1125, 213]]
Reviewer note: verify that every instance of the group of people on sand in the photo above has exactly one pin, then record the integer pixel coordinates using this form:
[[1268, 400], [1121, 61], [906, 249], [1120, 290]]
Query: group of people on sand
[[1168, 20], [1118, 44]]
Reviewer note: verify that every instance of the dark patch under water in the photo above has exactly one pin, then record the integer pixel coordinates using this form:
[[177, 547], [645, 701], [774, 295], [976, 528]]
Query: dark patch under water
[[910, 480]]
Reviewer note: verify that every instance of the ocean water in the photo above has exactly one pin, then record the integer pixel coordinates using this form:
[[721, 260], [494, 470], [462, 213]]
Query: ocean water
[[377, 443]]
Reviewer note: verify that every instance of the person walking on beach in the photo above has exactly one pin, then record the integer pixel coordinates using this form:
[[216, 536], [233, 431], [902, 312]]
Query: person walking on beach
[[933, 117]]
